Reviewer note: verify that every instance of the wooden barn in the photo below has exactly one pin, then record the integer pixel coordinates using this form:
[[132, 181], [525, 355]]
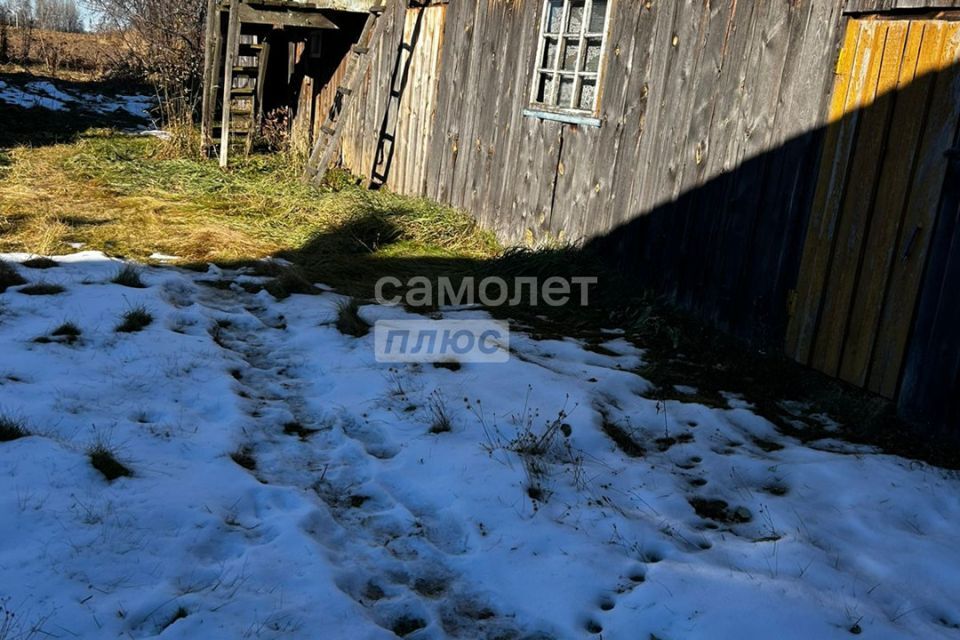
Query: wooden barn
[[788, 170]]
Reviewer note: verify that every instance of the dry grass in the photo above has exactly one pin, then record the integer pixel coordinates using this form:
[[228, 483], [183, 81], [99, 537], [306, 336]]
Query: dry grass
[[70, 55], [132, 197]]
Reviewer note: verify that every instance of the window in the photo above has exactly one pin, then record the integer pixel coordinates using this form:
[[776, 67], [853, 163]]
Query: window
[[569, 55]]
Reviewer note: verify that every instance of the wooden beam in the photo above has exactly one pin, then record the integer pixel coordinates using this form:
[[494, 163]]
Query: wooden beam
[[353, 6], [209, 71], [285, 18], [233, 45]]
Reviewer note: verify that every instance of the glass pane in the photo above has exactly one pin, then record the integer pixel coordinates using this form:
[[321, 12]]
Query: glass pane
[[592, 62], [576, 16], [549, 53], [571, 52], [588, 94], [545, 88], [554, 15], [598, 14], [566, 92]]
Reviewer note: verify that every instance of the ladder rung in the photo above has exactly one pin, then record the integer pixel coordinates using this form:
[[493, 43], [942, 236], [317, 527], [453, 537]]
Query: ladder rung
[[241, 91], [357, 49], [346, 91], [378, 9], [246, 69]]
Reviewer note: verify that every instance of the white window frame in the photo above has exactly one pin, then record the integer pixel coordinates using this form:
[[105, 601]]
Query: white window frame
[[550, 109]]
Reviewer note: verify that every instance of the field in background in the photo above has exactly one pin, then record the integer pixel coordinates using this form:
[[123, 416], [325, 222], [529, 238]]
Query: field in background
[[67, 55]]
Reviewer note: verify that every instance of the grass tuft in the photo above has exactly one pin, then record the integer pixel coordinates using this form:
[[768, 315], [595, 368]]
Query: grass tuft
[[42, 289], [295, 428], [9, 277], [289, 281], [104, 459], [134, 320], [623, 438], [129, 276], [441, 420], [68, 330], [244, 457], [40, 263], [68, 333], [349, 322], [12, 428]]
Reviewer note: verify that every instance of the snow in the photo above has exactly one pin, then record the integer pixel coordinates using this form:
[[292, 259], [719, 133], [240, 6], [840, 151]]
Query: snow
[[360, 521], [45, 94]]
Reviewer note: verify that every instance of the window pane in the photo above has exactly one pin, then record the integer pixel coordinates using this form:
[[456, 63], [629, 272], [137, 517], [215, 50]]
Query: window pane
[[588, 94], [576, 16], [566, 92], [545, 88], [597, 16], [592, 62], [554, 15], [571, 52], [549, 53]]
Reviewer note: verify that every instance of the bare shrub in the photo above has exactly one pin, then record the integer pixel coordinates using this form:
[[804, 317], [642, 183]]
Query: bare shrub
[[161, 41]]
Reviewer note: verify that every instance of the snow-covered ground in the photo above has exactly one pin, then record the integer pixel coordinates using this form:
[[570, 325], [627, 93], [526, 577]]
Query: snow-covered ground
[[355, 521], [46, 95]]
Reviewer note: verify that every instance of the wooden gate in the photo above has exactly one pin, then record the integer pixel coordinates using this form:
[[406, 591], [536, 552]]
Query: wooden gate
[[893, 119]]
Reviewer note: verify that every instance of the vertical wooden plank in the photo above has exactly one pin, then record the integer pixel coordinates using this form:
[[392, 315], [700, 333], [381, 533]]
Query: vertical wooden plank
[[759, 107], [233, 43], [491, 133], [710, 210], [859, 198], [895, 178], [516, 156], [759, 311], [210, 55], [453, 105], [895, 324], [930, 391], [852, 67]]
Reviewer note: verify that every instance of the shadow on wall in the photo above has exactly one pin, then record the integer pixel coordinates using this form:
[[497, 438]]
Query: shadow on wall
[[873, 284]]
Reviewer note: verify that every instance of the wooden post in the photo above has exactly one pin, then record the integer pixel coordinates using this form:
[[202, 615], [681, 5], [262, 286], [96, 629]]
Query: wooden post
[[256, 114], [233, 47], [209, 72]]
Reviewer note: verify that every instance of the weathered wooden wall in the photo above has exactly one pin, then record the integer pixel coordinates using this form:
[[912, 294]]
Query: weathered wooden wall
[[872, 6], [701, 179], [692, 90]]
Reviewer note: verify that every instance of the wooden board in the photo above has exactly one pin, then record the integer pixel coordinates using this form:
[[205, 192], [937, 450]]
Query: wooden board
[[881, 180]]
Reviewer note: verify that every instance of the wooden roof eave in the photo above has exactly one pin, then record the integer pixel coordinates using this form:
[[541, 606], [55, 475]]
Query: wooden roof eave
[[352, 6]]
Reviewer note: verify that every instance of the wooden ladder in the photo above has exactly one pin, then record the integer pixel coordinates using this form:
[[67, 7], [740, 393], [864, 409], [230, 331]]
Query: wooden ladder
[[238, 53], [357, 65]]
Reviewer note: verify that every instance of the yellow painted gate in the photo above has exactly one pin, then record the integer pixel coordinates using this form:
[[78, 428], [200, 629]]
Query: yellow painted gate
[[893, 119]]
